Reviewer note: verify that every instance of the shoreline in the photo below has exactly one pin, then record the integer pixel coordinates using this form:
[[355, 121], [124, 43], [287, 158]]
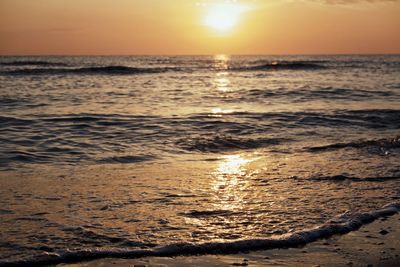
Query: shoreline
[[374, 244]]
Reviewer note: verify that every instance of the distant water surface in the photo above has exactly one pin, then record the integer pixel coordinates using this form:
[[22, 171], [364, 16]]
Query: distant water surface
[[114, 156]]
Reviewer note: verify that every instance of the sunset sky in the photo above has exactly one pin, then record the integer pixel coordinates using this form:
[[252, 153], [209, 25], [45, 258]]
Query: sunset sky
[[120, 27]]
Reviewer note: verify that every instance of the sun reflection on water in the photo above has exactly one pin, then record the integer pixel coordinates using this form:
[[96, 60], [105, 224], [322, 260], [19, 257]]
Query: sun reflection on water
[[231, 180], [232, 165], [221, 81], [222, 84], [221, 57], [219, 112]]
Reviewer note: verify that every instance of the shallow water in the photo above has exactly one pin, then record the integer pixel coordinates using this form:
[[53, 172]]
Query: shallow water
[[126, 153]]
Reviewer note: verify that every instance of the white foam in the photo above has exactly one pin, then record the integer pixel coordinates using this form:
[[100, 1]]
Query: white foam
[[341, 224]]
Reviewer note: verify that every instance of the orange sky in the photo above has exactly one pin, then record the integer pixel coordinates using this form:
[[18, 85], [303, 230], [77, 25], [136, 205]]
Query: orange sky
[[88, 27]]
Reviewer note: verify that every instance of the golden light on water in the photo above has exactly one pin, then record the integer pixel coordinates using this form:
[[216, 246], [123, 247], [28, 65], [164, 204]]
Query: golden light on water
[[228, 186], [221, 80], [219, 111], [231, 180], [221, 57], [222, 84], [221, 62], [233, 165]]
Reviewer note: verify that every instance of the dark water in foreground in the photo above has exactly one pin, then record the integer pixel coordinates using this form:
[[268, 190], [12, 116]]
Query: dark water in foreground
[[124, 156]]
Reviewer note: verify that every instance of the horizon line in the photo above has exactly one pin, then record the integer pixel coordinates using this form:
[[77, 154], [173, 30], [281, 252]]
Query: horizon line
[[227, 54]]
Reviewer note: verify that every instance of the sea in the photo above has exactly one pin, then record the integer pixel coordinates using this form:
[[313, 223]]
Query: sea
[[134, 156]]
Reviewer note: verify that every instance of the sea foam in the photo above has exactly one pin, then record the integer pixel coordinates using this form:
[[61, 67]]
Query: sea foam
[[342, 224]]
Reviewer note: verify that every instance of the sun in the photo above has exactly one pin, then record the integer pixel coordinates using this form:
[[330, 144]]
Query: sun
[[223, 17]]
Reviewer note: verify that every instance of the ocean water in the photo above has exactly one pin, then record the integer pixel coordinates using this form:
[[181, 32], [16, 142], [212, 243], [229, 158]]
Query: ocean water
[[155, 155]]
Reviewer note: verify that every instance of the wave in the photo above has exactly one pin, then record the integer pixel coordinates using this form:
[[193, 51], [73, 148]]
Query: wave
[[366, 118], [23, 157], [99, 238], [32, 63], [381, 144], [282, 65], [107, 70], [260, 122], [73, 138], [124, 70], [125, 159], [224, 143], [341, 177], [66, 155], [11, 121], [208, 213], [309, 94], [342, 224]]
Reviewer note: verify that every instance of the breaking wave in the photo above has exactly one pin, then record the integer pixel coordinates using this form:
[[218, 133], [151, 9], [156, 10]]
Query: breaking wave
[[107, 70], [341, 224], [44, 68], [282, 65]]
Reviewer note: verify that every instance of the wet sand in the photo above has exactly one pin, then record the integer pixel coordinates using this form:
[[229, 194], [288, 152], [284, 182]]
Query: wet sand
[[375, 244]]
